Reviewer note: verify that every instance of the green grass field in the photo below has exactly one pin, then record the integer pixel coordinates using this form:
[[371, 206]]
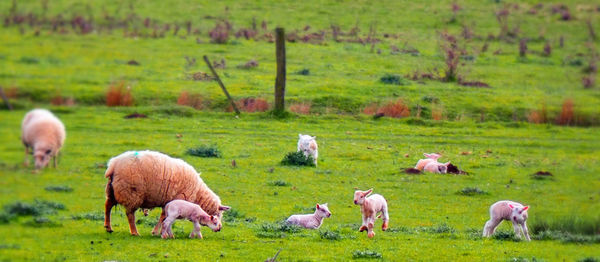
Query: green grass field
[[483, 130]]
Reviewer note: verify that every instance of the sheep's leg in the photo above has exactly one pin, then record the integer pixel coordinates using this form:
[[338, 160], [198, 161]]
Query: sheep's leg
[[54, 158], [385, 217], [197, 229], [158, 226], [525, 231], [165, 231], [370, 225], [131, 219], [26, 163], [517, 228], [363, 227], [107, 209], [490, 227]]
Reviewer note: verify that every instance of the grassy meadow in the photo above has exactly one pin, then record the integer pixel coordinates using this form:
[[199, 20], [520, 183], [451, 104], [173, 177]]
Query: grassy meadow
[[57, 51]]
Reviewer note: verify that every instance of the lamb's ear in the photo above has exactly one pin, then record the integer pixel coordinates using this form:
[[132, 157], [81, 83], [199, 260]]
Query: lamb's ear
[[511, 206], [299, 135], [525, 208], [426, 155], [369, 192], [224, 208], [318, 206]]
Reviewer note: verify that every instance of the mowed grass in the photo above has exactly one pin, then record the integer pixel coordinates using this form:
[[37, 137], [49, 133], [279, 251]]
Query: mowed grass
[[429, 220], [344, 77]]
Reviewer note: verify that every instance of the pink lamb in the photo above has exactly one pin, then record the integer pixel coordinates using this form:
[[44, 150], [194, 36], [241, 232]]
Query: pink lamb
[[369, 207], [436, 167], [507, 210], [433, 157], [311, 221], [44, 134], [308, 145], [180, 209]]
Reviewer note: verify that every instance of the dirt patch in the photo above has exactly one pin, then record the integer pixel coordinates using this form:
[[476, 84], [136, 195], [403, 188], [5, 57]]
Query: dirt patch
[[412, 171], [135, 115]]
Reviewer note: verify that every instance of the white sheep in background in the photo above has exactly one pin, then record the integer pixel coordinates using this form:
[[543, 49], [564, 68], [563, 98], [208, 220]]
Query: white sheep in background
[[369, 207], [433, 157], [308, 145], [507, 210], [437, 168], [181, 209], [44, 134], [311, 221]]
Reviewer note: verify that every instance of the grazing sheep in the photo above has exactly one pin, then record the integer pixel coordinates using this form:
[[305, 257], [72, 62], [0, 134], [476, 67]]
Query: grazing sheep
[[308, 145], [311, 221], [44, 134], [433, 157], [149, 179], [507, 210], [369, 207], [180, 209], [437, 168]]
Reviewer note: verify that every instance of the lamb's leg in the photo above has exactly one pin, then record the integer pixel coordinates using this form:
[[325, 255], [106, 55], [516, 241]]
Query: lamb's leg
[[107, 209], [385, 218], [26, 163], [525, 231], [517, 228], [370, 225], [363, 227], [54, 158], [158, 226], [490, 227], [197, 229], [165, 231], [131, 219]]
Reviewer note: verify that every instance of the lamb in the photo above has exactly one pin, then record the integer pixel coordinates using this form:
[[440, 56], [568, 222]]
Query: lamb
[[311, 221], [507, 210], [149, 179], [433, 157], [180, 209], [308, 145], [369, 207], [44, 134], [437, 168]]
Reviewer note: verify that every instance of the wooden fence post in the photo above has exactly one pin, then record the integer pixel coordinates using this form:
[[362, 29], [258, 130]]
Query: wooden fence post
[[237, 112], [280, 79]]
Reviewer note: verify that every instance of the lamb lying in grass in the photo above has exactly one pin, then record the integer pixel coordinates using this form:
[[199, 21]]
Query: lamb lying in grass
[[180, 209], [308, 145], [433, 157], [436, 167], [369, 207], [507, 210], [311, 221]]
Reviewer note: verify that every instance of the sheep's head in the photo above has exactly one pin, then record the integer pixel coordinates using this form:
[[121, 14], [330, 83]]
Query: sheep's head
[[213, 222], [323, 210], [307, 142], [443, 168], [519, 213], [433, 156], [359, 196], [42, 155]]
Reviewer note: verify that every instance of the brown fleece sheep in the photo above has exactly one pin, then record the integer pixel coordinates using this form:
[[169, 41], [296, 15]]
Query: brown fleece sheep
[[44, 134], [148, 179]]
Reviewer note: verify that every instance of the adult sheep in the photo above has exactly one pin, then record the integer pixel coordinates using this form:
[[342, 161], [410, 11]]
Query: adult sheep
[[44, 134], [148, 179]]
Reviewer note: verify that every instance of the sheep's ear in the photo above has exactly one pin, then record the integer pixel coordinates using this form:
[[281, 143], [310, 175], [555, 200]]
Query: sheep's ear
[[224, 208], [511, 206], [369, 192], [426, 155], [525, 208], [318, 206], [299, 135]]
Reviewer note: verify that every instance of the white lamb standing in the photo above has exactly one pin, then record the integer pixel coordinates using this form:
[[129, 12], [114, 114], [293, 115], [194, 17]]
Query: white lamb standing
[[369, 207], [507, 210], [433, 157], [44, 134], [311, 221], [308, 145], [181, 209], [437, 168]]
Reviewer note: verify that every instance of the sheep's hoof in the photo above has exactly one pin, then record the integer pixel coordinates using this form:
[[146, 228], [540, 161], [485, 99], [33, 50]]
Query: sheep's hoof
[[108, 229], [371, 235], [362, 228], [384, 227], [135, 234]]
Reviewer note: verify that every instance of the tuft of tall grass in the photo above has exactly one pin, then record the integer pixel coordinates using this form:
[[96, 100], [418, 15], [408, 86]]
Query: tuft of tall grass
[[297, 159], [572, 224], [204, 151]]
